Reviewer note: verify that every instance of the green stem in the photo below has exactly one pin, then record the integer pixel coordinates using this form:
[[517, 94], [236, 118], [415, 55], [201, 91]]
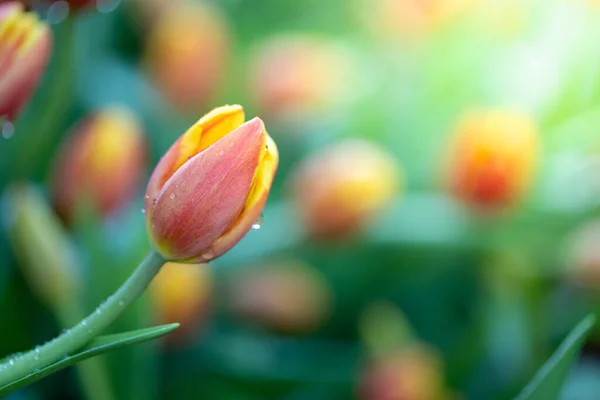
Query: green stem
[[91, 326]]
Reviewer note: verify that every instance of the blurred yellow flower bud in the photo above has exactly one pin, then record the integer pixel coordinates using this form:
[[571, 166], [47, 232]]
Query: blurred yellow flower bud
[[102, 161], [491, 158], [408, 19], [25, 46], [41, 247], [187, 52], [340, 188], [295, 76], [182, 293], [412, 373], [285, 296], [210, 187]]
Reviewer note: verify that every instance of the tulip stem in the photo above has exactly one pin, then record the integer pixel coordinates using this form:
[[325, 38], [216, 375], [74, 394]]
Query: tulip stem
[[87, 329]]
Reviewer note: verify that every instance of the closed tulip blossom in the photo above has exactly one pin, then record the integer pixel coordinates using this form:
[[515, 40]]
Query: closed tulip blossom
[[491, 158], [101, 162], [342, 187], [25, 45], [210, 187]]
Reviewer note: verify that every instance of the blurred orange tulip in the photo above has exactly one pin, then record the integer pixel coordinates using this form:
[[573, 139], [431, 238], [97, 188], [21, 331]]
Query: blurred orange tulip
[[410, 18], [299, 75], [187, 52], [181, 293], [412, 373], [25, 46], [340, 188], [102, 162], [491, 158], [211, 186], [286, 296]]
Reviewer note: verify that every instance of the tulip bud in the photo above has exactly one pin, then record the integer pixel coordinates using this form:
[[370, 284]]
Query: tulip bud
[[102, 162], [181, 293], [41, 246], [340, 189], [412, 373], [187, 52], [286, 297], [25, 45], [210, 187], [410, 18], [491, 158], [298, 75], [583, 256]]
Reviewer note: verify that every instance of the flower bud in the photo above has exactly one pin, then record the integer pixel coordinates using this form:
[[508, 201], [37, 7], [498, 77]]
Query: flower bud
[[583, 256], [411, 373], [286, 296], [187, 51], [181, 293], [491, 158], [102, 161], [25, 45], [211, 186], [339, 189], [41, 247], [296, 76], [407, 19]]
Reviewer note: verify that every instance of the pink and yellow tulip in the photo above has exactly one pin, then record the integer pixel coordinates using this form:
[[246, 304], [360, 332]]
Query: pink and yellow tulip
[[211, 186], [25, 45], [101, 162]]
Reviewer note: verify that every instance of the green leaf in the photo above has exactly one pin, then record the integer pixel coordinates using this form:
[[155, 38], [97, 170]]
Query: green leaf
[[548, 382], [99, 345]]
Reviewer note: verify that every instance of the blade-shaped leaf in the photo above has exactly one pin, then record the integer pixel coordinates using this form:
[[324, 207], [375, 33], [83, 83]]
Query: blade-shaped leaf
[[548, 382], [99, 345]]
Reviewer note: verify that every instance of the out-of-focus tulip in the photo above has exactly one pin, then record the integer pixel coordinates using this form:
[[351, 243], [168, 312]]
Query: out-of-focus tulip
[[342, 187], [287, 296], [491, 158], [412, 373], [102, 162], [211, 186], [181, 293], [42, 247], [407, 19], [187, 52], [299, 75], [583, 255], [25, 45]]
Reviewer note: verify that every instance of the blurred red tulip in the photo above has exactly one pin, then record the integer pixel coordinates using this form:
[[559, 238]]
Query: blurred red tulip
[[339, 189], [299, 75], [211, 186], [25, 45], [187, 52], [286, 296], [181, 293], [102, 162], [491, 158], [413, 373]]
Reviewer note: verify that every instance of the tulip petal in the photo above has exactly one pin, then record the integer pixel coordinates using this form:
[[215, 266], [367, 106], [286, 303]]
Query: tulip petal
[[254, 204], [201, 199], [208, 130]]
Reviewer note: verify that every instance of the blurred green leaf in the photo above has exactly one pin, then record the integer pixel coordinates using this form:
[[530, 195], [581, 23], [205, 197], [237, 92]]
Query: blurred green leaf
[[100, 345], [548, 382]]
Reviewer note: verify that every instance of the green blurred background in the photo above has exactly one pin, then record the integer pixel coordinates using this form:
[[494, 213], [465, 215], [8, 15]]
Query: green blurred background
[[431, 293]]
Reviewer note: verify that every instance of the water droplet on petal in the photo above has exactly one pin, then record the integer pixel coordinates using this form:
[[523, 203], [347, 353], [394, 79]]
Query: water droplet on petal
[[143, 211], [208, 255], [172, 196], [221, 152], [258, 223]]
